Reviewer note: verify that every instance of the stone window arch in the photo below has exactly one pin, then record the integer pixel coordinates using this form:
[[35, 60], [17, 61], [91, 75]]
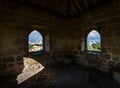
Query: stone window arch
[[93, 41]]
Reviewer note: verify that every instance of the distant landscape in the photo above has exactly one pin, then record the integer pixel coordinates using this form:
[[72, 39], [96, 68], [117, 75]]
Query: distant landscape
[[94, 41], [96, 47], [35, 47], [35, 42]]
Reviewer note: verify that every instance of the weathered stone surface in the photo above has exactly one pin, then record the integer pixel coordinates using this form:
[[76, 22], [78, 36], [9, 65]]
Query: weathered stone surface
[[65, 35], [10, 65], [117, 65], [3, 66], [110, 64], [116, 76], [19, 58], [116, 51], [106, 56], [0, 59], [8, 59], [20, 63], [116, 58]]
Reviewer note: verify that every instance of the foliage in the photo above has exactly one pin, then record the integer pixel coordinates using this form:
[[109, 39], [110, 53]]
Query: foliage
[[30, 46], [97, 47]]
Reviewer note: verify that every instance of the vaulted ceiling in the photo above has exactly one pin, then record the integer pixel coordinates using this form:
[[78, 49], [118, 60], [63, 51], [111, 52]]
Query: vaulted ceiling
[[64, 8]]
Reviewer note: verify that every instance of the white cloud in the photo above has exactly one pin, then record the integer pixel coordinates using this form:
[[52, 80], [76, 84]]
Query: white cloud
[[35, 36], [93, 34]]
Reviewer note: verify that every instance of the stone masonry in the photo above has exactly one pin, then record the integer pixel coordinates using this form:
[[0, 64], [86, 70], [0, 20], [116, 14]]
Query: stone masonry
[[65, 36]]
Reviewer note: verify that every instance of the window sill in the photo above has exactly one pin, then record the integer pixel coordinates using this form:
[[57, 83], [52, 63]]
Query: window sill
[[92, 52], [36, 53]]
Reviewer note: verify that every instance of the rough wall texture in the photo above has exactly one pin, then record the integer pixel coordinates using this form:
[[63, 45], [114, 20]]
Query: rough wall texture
[[16, 22], [105, 20], [67, 37]]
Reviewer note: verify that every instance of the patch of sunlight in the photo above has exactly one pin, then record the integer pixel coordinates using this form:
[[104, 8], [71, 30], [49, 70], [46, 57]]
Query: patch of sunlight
[[31, 68]]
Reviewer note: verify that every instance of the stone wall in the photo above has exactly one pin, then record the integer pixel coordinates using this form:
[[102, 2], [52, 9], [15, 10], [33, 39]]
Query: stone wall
[[67, 37], [105, 20], [16, 22]]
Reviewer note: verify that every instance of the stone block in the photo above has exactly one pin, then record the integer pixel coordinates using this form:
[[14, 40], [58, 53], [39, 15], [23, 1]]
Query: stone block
[[116, 76], [3, 66], [116, 58], [106, 56], [9, 65], [104, 50], [114, 20], [8, 59], [20, 63], [19, 58], [117, 32], [0, 59], [110, 64], [17, 42], [117, 65], [114, 27], [116, 51]]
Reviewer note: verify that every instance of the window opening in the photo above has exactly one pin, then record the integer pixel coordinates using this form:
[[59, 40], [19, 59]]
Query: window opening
[[35, 41], [94, 41]]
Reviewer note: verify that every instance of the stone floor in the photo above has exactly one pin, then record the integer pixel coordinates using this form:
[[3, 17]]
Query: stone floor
[[63, 76]]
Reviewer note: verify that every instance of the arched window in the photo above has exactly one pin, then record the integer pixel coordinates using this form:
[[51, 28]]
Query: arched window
[[93, 41], [35, 41]]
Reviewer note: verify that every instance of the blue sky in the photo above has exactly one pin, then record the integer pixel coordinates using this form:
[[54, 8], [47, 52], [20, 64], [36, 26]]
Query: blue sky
[[35, 36], [93, 35]]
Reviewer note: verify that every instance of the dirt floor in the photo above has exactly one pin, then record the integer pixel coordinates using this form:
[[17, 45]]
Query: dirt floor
[[64, 76]]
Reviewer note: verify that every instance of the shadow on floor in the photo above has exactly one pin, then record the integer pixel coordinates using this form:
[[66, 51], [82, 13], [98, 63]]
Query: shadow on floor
[[63, 76]]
